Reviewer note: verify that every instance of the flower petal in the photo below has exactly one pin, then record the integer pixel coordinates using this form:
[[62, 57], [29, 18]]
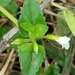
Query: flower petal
[[66, 46], [64, 41]]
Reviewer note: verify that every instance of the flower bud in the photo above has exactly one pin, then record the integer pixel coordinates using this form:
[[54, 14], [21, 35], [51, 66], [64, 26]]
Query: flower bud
[[52, 37], [35, 45], [18, 41]]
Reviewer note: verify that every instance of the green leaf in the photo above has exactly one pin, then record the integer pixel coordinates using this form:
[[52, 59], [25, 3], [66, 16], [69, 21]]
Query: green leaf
[[54, 52], [4, 30], [39, 30], [27, 26], [29, 61], [17, 35], [31, 13], [4, 2], [29, 16], [63, 28], [12, 5], [40, 71], [70, 19], [23, 32], [53, 70]]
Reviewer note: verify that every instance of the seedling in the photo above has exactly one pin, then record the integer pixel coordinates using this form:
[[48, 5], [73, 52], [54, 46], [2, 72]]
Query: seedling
[[32, 26]]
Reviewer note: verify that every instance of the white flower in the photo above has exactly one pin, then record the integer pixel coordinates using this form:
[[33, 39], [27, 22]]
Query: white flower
[[64, 41]]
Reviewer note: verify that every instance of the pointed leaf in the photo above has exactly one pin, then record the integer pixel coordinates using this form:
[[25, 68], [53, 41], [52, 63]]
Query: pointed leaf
[[40, 30], [4, 30], [4, 2], [29, 61], [70, 19], [23, 32], [8, 7], [12, 5], [31, 13], [63, 28], [27, 26]]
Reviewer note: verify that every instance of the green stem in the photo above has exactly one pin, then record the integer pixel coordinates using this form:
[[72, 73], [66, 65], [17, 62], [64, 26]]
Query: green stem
[[12, 18], [27, 40]]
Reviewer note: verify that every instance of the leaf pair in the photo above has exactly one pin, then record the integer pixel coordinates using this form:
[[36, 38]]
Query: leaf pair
[[31, 15], [36, 31]]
